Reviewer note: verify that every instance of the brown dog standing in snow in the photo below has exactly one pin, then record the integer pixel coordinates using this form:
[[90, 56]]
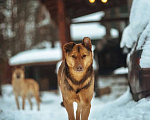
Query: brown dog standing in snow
[[76, 78], [26, 88]]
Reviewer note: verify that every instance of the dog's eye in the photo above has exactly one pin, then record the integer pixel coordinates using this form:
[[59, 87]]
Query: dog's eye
[[83, 56], [73, 56]]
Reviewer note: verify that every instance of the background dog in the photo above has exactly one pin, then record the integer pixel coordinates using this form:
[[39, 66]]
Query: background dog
[[26, 88], [76, 78]]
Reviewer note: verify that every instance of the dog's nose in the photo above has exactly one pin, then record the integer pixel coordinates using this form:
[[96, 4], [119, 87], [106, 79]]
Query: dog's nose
[[18, 76], [79, 68]]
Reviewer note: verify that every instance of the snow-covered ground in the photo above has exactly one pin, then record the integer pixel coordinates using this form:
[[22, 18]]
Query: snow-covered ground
[[104, 108], [50, 107]]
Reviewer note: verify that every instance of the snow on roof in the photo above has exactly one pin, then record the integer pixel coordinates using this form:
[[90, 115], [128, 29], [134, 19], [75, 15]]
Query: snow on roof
[[47, 54], [92, 30], [91, 17], [36, 55]]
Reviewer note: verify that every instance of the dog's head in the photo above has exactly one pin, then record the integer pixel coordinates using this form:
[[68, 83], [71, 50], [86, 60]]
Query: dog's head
[[18, 73], [79, 56]]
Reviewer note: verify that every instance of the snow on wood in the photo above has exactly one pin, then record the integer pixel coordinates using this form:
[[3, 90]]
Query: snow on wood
[[92, 17], [92, 30]]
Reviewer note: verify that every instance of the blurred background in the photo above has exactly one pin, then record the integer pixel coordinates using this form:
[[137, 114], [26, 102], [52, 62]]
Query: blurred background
[[32, 33]]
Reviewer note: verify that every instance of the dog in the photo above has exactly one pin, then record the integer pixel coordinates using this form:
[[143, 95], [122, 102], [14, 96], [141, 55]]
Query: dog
[[76, 78], [26, 88]]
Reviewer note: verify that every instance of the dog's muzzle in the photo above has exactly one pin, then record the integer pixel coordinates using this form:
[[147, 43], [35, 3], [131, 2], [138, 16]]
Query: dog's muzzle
[[79, 68], [18, 76]]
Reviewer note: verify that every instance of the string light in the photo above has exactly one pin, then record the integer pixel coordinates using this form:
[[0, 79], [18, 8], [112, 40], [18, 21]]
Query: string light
[[104, 1], [91, 1]]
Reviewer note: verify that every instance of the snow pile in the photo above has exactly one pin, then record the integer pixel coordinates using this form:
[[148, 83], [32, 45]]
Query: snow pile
[[138, 30], [7, 90], [124, 108]]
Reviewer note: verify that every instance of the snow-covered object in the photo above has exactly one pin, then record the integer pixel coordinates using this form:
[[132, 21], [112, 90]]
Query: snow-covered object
[[139, 19], [138, 30], [92, 30], [144, 37], [36, 55], [121, 70], [126, 38], [91, 17]]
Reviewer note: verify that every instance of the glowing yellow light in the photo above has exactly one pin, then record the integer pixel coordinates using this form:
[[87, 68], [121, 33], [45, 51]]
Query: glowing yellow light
[[104, 1], [91, 1]]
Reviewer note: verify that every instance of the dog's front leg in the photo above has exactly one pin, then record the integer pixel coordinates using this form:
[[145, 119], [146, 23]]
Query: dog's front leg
[[17, 101], [69, 107], [86, 106], [23, 101], [78, 112]]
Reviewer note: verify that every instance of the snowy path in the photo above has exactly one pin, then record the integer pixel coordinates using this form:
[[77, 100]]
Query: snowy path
[[50, 108], [105, 108]]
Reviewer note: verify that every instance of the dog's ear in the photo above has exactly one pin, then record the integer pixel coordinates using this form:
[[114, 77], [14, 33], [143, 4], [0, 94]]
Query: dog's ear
[[87, 43], [68, 47]]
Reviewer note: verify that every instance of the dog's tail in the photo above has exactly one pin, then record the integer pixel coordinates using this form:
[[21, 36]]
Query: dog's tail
[[37, 96]]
